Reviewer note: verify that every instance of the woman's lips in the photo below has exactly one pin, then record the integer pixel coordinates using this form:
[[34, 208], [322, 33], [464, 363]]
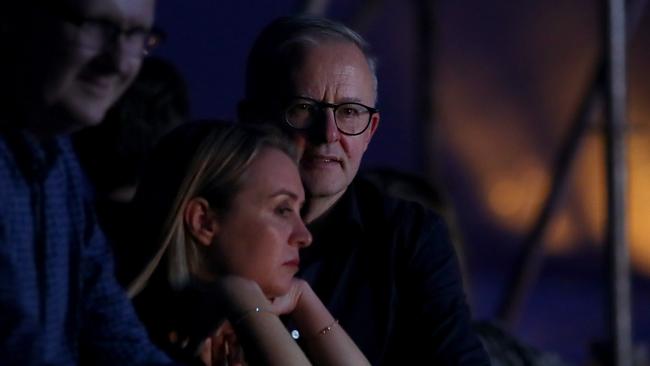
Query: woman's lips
[[292, 262]]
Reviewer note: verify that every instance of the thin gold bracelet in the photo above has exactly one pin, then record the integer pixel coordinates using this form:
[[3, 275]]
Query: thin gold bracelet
[[328, 328]]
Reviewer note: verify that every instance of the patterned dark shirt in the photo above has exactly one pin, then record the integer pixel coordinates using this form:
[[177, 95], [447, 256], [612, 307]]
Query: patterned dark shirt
[[59, 301]]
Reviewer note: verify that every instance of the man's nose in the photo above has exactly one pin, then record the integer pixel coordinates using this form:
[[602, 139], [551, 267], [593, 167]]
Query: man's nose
[[326, 130], [126, 55], [119, 55]]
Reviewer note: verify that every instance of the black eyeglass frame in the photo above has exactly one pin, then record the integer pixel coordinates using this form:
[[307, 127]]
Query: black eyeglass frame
[[151, 37], [321, 106]]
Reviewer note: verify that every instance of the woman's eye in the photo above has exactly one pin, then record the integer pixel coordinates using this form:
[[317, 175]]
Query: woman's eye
[[283, 210]]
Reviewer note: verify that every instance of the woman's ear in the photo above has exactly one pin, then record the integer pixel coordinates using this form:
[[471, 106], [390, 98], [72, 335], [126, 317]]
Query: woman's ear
[[201, 220]]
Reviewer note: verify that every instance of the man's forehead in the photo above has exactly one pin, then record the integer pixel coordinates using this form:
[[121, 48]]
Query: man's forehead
[[127, 12], [340, 61]]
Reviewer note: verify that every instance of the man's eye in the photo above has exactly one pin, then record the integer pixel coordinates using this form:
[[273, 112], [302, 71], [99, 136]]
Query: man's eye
[[348, 112], [304, 107], [137, 32]]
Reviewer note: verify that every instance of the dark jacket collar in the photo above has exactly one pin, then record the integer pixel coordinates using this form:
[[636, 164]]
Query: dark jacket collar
[[341, 228]]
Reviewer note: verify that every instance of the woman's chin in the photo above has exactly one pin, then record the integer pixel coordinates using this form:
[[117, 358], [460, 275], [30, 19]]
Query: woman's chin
[[277, 289]]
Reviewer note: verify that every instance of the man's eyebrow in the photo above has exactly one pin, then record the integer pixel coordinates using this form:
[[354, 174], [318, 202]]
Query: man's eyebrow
[[350, 100], [338, 101]]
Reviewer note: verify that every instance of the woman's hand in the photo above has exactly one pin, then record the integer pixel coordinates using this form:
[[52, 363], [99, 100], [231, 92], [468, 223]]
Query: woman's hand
[[257, 327], [288, 302]]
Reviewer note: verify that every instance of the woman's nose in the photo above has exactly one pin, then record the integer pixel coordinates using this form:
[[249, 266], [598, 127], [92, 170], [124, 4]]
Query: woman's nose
[[301, 235]]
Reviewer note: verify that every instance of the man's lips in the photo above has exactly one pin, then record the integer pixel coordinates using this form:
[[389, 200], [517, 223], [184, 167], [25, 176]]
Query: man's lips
[[310, 160], [97, 85]]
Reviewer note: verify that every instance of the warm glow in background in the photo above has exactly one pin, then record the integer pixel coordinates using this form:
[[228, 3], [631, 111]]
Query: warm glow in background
[[505, 130]]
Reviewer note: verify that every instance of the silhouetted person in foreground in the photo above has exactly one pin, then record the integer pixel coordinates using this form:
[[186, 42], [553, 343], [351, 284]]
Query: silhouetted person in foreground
[[65, 63]]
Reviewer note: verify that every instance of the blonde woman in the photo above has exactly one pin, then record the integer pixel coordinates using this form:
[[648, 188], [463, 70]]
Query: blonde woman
[[219, 211]]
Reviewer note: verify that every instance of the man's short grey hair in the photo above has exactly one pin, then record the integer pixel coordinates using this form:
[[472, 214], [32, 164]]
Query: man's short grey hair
[[279, 45]]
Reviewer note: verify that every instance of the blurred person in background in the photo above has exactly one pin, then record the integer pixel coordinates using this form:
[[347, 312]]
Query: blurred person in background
[[114, 153]]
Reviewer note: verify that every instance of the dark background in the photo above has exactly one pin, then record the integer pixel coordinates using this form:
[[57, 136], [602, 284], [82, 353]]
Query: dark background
[[508, 78]]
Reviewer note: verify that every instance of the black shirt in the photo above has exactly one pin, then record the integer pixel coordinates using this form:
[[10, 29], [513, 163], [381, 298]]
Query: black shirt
[[386, 269]]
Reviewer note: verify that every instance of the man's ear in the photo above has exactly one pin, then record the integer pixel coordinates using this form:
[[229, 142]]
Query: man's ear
[[201, 220], [374, 123]]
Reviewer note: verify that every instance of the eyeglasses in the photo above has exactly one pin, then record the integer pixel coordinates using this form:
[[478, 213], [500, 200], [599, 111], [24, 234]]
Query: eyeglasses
[[351, 118], [97, 34]]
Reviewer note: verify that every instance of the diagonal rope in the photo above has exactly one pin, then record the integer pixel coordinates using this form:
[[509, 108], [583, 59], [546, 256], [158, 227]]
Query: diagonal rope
[[530, 260]]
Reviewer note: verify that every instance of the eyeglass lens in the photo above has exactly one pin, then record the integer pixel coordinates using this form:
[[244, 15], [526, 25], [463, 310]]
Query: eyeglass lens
[[97, 34], [350, 118]]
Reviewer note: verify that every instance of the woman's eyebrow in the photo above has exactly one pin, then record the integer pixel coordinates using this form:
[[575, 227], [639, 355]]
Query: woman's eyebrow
[[285, 192]]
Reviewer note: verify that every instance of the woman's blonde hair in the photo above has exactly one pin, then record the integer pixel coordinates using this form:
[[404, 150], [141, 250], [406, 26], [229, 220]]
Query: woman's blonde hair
[[199, 159]]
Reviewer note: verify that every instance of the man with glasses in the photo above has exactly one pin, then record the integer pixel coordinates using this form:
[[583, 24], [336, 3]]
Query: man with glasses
[[65, 63], [384, 267]]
